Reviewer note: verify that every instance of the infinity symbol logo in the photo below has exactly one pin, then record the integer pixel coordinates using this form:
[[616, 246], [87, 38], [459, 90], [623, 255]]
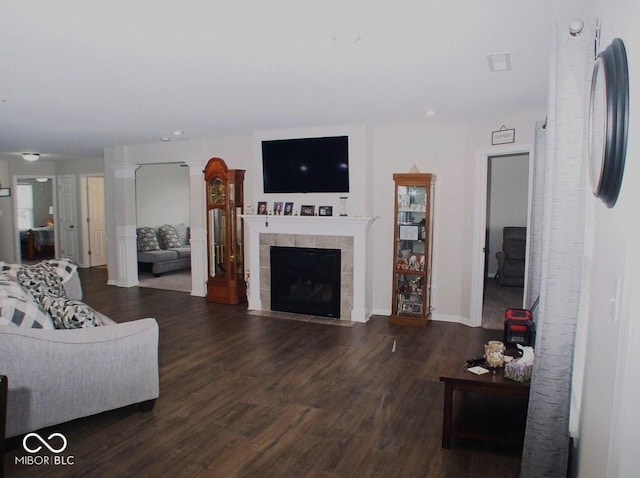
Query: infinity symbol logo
[[45, 443]]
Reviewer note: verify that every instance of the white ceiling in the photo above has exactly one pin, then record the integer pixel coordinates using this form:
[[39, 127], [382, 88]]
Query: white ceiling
[[77, 76]]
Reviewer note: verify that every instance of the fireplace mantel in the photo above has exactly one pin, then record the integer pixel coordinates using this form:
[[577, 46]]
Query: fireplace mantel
[[355, 227]]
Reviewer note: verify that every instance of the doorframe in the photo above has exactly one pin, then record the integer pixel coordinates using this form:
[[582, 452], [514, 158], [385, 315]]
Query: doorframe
[[16, 229], [84, 211], [480, 223]]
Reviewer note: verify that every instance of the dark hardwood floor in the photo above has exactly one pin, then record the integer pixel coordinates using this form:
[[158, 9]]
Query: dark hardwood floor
[[247, 396]]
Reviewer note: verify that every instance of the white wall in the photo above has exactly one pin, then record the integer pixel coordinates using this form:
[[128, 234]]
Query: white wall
[[7, 248], [447, 150], [610, 418], [162, 194]]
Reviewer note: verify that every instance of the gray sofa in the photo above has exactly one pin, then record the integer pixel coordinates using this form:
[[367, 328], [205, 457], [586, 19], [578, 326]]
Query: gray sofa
[[163, 249], [56, 375]]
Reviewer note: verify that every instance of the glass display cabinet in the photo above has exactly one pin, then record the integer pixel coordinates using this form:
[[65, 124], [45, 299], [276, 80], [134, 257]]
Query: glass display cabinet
[[225, 234], [412, 249]]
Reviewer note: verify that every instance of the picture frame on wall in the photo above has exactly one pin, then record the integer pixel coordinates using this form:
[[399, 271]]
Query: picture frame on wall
[[288, 208], [325, 211], [307, 210]]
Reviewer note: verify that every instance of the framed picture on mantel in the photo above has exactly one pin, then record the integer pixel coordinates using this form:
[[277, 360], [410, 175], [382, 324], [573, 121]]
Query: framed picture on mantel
[[307, 210]]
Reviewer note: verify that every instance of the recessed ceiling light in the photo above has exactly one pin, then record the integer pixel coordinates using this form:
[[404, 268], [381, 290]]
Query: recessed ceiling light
[[165, 139], [499, 61], [177, 132], [431, 113]]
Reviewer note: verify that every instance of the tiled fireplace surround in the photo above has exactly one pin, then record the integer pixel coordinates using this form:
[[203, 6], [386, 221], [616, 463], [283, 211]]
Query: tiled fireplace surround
[[344, 243], [349, 235]]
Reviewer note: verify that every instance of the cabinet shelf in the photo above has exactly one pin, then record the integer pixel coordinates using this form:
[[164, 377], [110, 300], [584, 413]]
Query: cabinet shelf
[[413, 234]]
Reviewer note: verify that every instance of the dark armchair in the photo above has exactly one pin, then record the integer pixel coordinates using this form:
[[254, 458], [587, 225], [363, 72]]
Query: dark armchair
[[511, 257]]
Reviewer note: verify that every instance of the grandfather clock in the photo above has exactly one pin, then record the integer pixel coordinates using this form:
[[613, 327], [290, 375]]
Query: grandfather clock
[[225, 250]]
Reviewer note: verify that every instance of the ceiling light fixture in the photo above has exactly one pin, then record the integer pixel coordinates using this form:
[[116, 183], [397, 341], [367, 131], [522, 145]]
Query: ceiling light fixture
[[42, 180], [431, 113], [499, 62], [177, 132], [30, 156]]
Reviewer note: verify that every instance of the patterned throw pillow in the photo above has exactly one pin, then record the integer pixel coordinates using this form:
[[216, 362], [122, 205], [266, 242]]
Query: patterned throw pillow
[[41, 279], [22, 312], [147, 240], [183, 234], [65, 268], [168, 237], [70, 314]]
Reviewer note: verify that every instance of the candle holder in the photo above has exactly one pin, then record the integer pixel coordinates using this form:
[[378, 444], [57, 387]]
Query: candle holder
[[343, 208]]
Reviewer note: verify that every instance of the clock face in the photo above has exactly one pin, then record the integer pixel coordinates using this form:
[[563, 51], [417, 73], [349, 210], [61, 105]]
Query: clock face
[[217, 192]]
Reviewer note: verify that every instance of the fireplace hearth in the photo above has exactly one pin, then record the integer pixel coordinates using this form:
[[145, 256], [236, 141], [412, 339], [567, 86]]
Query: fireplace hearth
[[306, 280]]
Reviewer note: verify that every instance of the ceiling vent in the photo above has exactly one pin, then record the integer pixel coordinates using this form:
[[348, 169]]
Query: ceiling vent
[[499, 62]]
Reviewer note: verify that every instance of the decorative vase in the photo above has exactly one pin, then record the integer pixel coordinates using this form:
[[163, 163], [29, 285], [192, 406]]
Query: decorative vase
[[343, 209]]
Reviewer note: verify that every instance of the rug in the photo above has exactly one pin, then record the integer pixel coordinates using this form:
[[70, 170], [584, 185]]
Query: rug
[[177, 280]]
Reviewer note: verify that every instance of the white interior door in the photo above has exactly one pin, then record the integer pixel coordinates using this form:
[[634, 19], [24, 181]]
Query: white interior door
[[96, 221], [67, 218]]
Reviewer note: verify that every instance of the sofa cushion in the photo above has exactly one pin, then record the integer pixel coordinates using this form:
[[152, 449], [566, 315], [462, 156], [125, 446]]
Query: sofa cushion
[[70, 314], [183, 252], [183, 234], [147, 239], [9, 286], [22, 312], [168, 237], [157, 256]]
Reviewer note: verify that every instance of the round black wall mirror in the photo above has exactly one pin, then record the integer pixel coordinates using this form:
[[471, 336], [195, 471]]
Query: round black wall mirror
[[608, 122]]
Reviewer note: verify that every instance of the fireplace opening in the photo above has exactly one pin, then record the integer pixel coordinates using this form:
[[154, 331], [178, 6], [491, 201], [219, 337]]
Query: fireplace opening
[[306, 280]]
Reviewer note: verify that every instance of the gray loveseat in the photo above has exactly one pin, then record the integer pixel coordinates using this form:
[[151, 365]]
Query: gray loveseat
[[56, 375], [163, 249]]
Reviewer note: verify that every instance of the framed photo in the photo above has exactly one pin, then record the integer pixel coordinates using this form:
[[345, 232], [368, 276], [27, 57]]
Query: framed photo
[[5, 192], [277, 208], [262, 207], [288, 208], [325, 211], [307, 210], [408, 232]]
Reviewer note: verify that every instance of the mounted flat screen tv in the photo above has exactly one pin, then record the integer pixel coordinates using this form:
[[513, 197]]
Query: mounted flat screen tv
[[307, 165]]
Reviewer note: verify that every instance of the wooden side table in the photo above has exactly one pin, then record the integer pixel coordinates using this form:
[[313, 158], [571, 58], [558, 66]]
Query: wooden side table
[[486, 407]]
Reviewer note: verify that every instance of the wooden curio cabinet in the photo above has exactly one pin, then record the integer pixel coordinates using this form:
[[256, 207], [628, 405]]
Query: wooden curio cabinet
[[225, 235], [412, 249]]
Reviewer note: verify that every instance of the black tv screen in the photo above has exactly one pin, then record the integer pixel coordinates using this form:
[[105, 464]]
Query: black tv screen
[[307, 165]]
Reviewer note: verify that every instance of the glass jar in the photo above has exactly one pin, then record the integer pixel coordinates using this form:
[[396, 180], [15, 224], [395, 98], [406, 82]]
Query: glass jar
[[494, 353]]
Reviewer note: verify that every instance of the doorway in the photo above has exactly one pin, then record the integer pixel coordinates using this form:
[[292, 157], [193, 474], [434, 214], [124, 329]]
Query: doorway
[[35, 218], [94, 229], [506, 207], [480, 242]]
